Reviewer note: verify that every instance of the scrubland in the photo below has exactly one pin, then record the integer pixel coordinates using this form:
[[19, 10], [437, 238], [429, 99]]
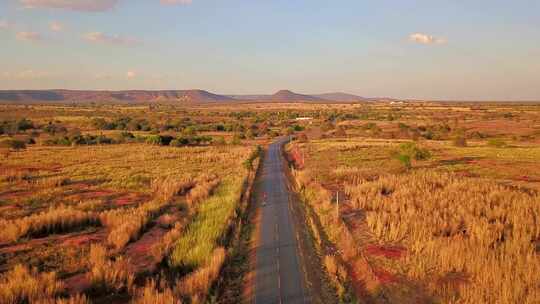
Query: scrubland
[[125, 221], [438, 202], [460, 224]]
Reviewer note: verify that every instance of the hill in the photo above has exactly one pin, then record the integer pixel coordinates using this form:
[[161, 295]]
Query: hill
[[131, 96]]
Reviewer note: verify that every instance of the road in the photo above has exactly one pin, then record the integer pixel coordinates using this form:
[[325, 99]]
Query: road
[[278, 274]]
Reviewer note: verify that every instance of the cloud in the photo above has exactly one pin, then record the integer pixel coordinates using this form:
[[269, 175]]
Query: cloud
[[75, 5], [175, 2], [28, 36], [426, 39], [56, 26], [131, 74], [99, 37], [6, 25]]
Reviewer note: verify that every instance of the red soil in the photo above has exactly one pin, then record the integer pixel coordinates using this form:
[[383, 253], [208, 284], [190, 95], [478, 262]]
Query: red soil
[[139, 252], [88, 238], [130, 199], [384, 276], [390, 252], [77, 283], [9, 195]]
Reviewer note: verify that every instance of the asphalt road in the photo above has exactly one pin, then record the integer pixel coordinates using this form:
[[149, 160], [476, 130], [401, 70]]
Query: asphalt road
[[279, 278]]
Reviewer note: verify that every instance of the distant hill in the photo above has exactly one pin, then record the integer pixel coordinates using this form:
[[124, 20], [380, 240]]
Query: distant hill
[[173, 96], [131, 96], [286, 95], [338, 96]]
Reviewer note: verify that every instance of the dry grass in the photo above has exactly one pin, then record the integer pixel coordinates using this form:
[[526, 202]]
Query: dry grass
[[108, 275], [197, 284], [475, 228], [467, 240], [58, 219], [150, 294], [164, 247], [203, 189], [23, 285]]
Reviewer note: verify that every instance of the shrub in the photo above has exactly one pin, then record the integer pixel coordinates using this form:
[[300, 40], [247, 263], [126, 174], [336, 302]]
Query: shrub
[[219, 141], [404, 159], [236, 139], [410, 149], [13, 144], [153, 140]]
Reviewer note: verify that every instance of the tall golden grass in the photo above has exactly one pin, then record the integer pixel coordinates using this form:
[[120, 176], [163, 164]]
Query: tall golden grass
[[23, 285], [468, 240], [106, 274], [126, 224], [164, 247], [57, 219], [205, 185], [197, 284], [150, 294], [483, 231]]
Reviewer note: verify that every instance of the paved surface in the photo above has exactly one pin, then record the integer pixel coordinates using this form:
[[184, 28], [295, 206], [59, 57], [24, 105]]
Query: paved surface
[[279, 277]]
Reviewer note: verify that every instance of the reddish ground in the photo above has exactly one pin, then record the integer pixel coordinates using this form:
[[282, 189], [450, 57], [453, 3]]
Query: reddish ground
[[390, 252]]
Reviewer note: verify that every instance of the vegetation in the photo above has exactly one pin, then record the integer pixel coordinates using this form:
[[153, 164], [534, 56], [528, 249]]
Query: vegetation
[[437, 202]]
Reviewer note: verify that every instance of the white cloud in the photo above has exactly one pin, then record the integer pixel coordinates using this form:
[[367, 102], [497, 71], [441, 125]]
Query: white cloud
[[28, 36], [75, 5], [426, 39], [131, 74], [99, 37], [174, 2], [56, 26]]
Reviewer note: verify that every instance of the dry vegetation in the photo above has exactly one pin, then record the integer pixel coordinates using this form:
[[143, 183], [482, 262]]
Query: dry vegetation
[[140, 204], [111, 215], [456, 225]]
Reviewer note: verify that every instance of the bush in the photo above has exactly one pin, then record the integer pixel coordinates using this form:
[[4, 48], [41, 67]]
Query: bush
[[219, 141], [153, 140], [404, 159], [410, 149], [13, 144]]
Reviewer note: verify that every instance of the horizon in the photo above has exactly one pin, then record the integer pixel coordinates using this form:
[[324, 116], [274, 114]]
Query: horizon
[[410, 50]]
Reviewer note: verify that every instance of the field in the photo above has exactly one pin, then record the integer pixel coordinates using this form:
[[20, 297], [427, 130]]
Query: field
[[406, 203], [131, 220], [451, 217]]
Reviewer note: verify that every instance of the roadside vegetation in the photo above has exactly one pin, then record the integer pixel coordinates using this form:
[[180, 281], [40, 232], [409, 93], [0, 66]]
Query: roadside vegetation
[[145, 204]]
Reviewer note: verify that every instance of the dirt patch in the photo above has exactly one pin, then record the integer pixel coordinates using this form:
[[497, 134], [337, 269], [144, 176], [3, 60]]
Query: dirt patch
[[129, 199], [390, 252], [77, 284], [139, 252], [87, 238]]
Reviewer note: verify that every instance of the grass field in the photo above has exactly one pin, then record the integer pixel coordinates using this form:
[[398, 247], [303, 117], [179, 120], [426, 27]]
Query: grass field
[[459, 227], [438, 202]]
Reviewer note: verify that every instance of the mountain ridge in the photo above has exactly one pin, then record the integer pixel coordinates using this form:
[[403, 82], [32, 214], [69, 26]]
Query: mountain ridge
[[192, 96]]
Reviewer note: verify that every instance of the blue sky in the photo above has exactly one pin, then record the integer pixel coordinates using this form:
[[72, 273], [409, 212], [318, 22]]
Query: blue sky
[[456, 49]]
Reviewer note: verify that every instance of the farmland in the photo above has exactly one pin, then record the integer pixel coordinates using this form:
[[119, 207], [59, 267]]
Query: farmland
[[410, 203]]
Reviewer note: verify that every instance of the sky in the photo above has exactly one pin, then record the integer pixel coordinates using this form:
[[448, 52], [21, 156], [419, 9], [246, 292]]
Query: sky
[[427, 49]]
